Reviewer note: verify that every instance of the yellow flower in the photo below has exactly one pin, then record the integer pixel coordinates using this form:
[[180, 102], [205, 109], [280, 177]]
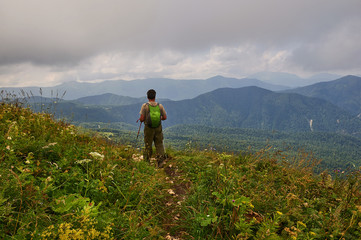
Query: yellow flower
[[93, 234], [301, 223]]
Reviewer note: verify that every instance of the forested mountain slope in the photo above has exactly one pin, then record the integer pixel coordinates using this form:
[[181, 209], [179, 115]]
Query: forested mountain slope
[[344, 92]]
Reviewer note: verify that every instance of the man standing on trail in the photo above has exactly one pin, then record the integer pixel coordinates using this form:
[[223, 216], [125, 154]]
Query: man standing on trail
[[152, 113]]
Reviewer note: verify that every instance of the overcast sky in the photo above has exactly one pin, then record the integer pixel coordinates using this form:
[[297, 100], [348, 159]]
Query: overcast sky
[[46, 42]]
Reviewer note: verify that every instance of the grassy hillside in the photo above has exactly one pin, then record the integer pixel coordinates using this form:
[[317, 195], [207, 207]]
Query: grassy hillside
[[60, 183]]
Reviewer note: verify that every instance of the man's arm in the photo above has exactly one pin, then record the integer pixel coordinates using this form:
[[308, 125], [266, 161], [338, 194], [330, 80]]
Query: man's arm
[[142, 114], [163, 114], [142, 118]]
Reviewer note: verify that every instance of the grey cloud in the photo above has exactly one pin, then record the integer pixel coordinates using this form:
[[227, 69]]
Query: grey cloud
[[65, 33], [195, 24], [53, 32], [339, 49]]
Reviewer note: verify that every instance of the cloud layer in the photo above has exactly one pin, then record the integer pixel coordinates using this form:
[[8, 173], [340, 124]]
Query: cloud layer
[[48, 42]]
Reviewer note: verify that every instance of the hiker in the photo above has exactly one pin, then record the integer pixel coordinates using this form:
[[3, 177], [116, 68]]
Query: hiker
[[152, 114]]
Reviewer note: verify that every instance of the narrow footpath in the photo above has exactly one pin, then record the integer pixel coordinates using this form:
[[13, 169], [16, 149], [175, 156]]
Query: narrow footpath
[[178, 192]]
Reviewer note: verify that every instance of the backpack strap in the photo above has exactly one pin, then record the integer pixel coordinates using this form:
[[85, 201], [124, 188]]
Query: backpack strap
[[155, 105]]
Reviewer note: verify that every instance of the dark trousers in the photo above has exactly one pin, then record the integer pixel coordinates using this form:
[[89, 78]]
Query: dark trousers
[[153, 135]]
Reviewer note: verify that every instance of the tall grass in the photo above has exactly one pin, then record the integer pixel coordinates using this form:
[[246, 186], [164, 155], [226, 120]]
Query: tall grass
[[57, 183], [257, 197]]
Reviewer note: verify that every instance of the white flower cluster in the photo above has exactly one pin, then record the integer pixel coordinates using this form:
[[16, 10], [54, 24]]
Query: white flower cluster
[[49, 145], [97, 156], [83, 161]]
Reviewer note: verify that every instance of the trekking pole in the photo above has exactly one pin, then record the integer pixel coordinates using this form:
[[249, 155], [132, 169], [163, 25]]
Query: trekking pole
[[139, 128]]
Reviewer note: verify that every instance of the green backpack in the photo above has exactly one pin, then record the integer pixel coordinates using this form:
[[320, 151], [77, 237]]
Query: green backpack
[[154, 116]]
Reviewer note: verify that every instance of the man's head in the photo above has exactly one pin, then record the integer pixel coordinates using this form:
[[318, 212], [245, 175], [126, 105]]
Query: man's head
[[151, 94]]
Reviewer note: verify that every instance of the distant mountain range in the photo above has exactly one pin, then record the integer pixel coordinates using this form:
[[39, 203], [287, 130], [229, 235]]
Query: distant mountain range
[[171, 88], [109, 99], [248, 107], [292, 80], [333, 106], [166, 88]]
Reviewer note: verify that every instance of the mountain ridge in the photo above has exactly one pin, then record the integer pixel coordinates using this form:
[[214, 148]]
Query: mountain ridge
[[167, 88], [344, 92]]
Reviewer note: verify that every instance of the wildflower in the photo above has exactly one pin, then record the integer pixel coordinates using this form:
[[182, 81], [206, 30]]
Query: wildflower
[[97, 155], [103, 188], [9, 138], [279, 213], [93, 234], [83, 161], [27, 162], [171, 192], [50, 144], [301, 223]]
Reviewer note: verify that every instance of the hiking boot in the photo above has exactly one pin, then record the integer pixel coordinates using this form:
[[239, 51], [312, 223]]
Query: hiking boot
[[160, 163]]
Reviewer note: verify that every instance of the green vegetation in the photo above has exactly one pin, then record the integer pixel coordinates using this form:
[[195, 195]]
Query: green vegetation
[[57, 183], [335, 151], [60, 182]]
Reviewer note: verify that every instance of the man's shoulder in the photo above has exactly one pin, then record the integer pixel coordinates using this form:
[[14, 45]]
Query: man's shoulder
[[144, 106], [162, 109]]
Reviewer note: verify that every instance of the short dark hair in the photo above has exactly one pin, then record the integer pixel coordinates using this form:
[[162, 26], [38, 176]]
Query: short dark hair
[[151, 94]]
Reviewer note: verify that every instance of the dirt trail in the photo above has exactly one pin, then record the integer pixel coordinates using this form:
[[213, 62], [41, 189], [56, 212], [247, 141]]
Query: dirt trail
[[177, 194], [178, 191]]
